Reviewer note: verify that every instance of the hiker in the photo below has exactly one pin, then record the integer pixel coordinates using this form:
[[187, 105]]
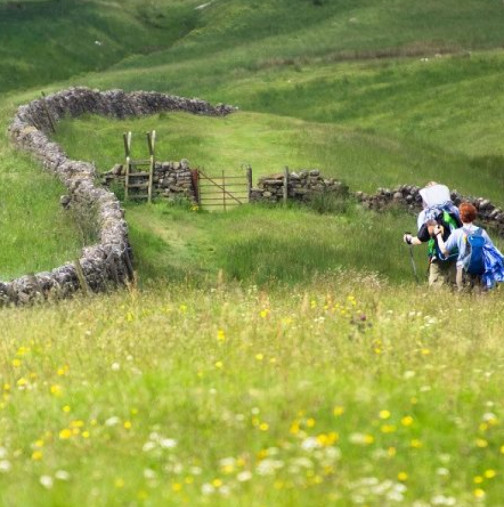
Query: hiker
[[438, 209], [479, 262]]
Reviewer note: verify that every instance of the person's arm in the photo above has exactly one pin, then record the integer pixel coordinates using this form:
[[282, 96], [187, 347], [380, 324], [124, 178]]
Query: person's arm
[[422, 236], [445, 246], [411, 240]]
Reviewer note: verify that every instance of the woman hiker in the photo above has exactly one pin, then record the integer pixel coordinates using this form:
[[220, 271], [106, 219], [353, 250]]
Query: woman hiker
[[458, 241]]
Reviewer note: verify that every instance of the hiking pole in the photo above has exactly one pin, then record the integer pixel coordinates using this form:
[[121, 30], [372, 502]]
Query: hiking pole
[[412, 259]]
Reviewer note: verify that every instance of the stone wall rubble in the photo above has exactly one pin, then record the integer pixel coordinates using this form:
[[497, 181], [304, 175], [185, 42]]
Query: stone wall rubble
[[302, 186], [109, 261], [408, 196]]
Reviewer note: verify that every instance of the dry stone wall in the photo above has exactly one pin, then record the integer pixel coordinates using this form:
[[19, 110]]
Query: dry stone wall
[[109, 261], [302, 186], [171, 180], [408, 196]]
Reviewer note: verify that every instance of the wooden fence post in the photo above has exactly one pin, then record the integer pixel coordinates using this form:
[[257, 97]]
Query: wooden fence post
[[195, 185], [286, 185], [224, 190], [249, 181]]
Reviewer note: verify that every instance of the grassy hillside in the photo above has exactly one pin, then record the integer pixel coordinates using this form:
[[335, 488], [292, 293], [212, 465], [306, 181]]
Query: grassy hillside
[[35, 233], [269, 356], [373, 122], [49, 40]]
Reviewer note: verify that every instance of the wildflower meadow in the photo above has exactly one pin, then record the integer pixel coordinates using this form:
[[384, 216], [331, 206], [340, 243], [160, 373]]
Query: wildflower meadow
[[346, 392], [270, 356]]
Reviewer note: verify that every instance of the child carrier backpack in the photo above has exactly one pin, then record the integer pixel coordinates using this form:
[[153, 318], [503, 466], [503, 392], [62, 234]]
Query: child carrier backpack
[[450, 221], [474, 261]]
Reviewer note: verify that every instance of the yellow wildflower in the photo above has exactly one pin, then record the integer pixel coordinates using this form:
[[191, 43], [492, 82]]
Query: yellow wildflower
[[22, 351], [264, 313], [63, 370], [368, 439], [338, 410], [221, 335], [65, 434], [388, 428], [384, 414], [479, 493], [481, 443], [402, 476], [407, 420], [294, 428], [37, 455]]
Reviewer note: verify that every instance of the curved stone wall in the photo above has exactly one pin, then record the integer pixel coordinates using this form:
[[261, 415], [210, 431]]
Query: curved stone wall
[[109, 261]]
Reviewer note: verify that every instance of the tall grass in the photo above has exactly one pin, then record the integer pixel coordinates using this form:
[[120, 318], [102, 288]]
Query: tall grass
[[336, 391], [36, 233], [268, 245]]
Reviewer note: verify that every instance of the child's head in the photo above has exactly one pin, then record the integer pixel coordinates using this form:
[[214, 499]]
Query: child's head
[[468, 212], [431, 224]]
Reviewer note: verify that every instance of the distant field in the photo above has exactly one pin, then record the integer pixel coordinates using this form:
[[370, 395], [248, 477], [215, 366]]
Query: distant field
[[363, 158], [45, 41]]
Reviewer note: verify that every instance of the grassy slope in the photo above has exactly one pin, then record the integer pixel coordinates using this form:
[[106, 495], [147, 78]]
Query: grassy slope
[[336, 389], [241, 54], [41, 42], [36, 233]]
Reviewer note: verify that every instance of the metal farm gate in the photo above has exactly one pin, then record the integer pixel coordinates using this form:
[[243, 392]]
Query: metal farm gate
[[223, 192]]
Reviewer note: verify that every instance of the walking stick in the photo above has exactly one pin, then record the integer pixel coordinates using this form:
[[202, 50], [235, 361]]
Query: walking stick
[[412, 259]]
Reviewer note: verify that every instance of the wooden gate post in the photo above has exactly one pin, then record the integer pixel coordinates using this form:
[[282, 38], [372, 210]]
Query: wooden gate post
[[286, 185], [224, 190], [195, 185], [249, 182]]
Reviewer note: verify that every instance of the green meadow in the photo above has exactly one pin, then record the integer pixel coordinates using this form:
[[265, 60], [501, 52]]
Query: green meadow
[[268, 355]]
